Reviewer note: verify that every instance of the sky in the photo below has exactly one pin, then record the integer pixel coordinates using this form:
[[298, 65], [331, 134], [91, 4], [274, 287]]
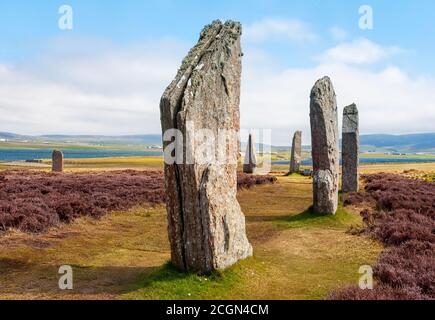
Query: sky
[[106, 75]]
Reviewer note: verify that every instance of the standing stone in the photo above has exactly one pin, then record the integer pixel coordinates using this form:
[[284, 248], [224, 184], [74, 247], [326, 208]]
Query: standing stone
[[296, 155], [206, 226], [250, 163], [57, 161], [325, 152], [350, 149]]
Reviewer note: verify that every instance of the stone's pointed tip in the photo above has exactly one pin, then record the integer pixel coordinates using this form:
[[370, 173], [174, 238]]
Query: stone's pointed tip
[[350, 109], [324, 80], [234, 26], [321, 85]]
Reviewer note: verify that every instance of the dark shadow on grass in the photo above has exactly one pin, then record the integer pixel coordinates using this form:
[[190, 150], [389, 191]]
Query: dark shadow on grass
[[268, 218], [19, 277], [306, 216]]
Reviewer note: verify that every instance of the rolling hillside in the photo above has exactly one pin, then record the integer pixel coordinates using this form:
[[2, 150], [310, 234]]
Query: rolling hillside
[[412, 143]]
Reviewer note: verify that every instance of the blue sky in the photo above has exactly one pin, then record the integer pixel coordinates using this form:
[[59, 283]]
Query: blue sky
[[25, 25], [283, 40]]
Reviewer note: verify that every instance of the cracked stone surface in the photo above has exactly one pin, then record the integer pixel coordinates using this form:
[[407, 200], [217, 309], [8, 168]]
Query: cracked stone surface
[[350, 149], [57, 161], [324, 143], [206, 226], [250, 163], [296, 153]]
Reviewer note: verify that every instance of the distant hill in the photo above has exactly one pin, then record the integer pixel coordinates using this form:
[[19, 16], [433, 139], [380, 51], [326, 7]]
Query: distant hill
[[146, 139], [410, 143]]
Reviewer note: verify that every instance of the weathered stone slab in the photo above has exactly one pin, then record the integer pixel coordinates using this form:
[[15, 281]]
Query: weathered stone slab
[[250, 163], [205, 223], [325, 152], [57, 161], [296, 153], [350, 149]]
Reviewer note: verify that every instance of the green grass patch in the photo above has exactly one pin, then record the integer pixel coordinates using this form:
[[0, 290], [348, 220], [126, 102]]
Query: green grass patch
[[309, 218], [168, 283]]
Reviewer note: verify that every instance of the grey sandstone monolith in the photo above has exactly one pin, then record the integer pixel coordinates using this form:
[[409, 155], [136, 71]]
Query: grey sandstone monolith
[[250, 163], [57, 161], [296, 153], [206, 226], [324, 143], [350, 149]]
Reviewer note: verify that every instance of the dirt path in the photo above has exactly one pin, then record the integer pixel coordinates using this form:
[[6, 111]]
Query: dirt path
[[297, 256]]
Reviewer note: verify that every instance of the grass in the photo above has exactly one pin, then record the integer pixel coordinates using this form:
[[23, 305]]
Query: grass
[[115, 162], [397, 167], [297, 254], [167, 283], [309, 219], [94, 164]]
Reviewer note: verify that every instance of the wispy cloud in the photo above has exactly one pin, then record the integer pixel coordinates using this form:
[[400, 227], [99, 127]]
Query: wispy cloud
[[278, 29], [359, 52]]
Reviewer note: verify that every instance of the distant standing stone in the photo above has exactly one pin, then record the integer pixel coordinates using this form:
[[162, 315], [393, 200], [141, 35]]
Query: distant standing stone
[[57, 161], [325, 152], [307, 173], [250, 163], [296, 155], [350, 149], [206, 225]]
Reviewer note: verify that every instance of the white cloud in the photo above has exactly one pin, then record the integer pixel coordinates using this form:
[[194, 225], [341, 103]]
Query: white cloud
[[389, 100], [338, 33], [359, 52], [110, 91], [273, 29], [117, 91]]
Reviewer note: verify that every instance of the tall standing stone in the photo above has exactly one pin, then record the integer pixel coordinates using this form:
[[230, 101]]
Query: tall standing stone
[[57, 161], [250, 163], [206, 226], [296, 155], [350, 149], [325, 152]]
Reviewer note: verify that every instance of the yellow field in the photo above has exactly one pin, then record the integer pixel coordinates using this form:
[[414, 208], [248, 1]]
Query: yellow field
[[157, 163], [71, 165]]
